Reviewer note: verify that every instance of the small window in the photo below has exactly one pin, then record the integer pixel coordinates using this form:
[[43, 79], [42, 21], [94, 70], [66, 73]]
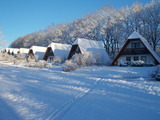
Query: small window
[[135, 45], [135, 58], [144, 58], [77, 50], [128, 58]]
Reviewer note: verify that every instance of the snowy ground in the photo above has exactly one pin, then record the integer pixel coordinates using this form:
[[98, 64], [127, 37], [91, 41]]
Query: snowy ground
[[93, 93]]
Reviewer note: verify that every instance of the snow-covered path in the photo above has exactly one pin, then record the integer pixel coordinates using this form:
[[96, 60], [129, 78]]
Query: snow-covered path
[[94, 93]]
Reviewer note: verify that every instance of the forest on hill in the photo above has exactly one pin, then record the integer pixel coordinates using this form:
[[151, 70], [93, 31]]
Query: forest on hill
[[111, 26]]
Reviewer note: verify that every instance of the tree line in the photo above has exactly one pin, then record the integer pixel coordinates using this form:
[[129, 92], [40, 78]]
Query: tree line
[[111, 26]]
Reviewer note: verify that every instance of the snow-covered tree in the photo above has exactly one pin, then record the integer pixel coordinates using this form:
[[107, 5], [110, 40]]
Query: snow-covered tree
[[111, 26]]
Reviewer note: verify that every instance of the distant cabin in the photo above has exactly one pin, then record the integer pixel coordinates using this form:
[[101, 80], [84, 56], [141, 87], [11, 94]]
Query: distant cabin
[[12, 51], [57, 50], [136, 48], [24, 51], [37, 51], [81, 46]]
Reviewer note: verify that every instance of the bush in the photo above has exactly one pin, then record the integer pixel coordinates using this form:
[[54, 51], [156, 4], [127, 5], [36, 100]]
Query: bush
[[135, 63], [70, 66], [39, 64], [6, 57], [31, 59], [57, 60], [78, 61]]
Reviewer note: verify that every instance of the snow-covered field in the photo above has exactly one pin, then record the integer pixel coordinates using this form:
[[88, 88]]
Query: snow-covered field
[[92, 93]]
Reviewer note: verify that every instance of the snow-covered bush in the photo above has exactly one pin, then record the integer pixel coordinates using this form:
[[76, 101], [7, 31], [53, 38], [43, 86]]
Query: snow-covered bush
[[70, 66], [6, 57], [19, 59], [57, 59], [135, 63], [86, 59], [31, 59], [20, 62], [79, 60], [39, 64]]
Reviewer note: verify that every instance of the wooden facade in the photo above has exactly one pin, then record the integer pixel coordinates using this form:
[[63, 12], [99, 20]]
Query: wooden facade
[[137, 50], [48, 53], [75, 49]]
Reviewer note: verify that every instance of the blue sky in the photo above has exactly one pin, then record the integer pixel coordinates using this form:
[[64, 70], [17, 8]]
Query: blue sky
[[21, 17]]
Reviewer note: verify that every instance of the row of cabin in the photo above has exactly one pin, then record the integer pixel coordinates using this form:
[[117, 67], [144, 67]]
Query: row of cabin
[[136, 48]]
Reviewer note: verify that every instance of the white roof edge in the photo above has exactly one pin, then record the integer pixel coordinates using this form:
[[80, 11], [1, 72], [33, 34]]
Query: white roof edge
[[136, 35]]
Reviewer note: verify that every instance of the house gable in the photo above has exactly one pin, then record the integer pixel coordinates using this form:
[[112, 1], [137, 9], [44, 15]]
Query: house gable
[[82, 46], [49, 52], [75, 49], [136, 45]]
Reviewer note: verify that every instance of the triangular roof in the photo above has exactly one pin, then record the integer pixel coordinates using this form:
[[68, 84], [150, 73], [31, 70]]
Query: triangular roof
[[24, 50], [85, 45], [60, 50], [93, 46], [39, 51], [136, 35], [14, 50]]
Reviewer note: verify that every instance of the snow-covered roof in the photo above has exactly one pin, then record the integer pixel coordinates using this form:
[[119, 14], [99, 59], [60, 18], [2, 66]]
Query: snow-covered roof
[[60, 50], [24, 50], [136, 35], [38, 51], [93, 46], [14, 50]]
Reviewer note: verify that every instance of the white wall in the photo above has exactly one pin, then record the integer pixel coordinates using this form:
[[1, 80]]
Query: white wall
[[122, 58]]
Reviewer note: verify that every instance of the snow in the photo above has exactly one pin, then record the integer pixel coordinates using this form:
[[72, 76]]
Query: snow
[[136, 35], [60, 50], [24, 50], [39, 51], [93, 46], [14, 50], [91, 93]]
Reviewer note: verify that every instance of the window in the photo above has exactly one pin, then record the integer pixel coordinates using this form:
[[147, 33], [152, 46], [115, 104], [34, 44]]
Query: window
[[135, 45], [128, 58], [135, 58], [144, 58], [77, 50]]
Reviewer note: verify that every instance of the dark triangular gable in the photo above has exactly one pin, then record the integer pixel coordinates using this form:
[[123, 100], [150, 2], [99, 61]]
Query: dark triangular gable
[[75, 49], [49, 52], [30, 53], [114, 62]]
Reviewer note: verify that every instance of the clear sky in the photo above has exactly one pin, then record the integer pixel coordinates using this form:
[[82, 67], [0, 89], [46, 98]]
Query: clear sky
[[21, 17]]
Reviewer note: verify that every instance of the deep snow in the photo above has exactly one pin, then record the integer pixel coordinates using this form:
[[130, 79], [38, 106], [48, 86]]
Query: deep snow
[[91, 93]]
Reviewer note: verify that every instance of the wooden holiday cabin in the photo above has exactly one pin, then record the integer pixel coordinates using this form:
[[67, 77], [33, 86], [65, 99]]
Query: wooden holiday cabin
[[57, 50], [37, 51], [81, 46], [136, 48], [24, 51], [12, 51]]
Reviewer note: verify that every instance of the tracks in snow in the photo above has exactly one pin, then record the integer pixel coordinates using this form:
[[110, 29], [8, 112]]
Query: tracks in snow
[[62, 111]]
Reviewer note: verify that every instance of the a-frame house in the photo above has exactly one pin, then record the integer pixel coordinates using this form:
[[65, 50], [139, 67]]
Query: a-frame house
[[57, 50], [136, 48], [36, 51], [81, 46]]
